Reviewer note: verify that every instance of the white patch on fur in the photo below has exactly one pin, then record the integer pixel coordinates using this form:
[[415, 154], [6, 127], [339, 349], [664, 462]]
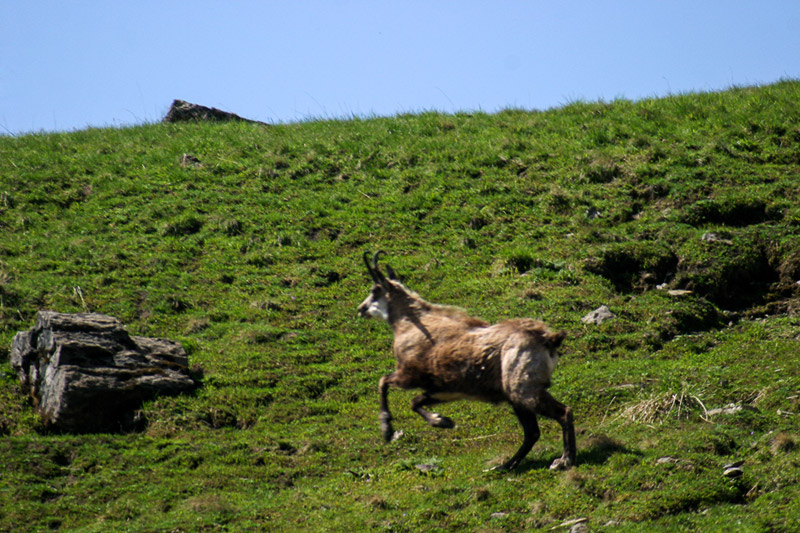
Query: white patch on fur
[[376, 308], [524, 369]]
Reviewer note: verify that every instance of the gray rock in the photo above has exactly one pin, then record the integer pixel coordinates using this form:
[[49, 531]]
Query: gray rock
[[577, 525], [181, 111], [598, 316], [715, 237], [188, 160], [85, 373], [733, 472], [731, 409], [427, 467]]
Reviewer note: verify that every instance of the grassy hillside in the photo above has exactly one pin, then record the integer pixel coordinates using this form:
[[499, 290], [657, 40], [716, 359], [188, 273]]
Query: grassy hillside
[[681, 214]]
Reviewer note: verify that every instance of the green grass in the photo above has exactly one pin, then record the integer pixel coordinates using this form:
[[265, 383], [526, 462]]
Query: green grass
[[252, 259]]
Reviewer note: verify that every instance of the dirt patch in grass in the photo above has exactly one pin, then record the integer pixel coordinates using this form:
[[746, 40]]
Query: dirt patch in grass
[[736, 211], [634, 265], [733, 274], [734, 271]]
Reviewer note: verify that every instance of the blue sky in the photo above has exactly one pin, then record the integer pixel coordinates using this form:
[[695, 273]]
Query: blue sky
[[73, 65]]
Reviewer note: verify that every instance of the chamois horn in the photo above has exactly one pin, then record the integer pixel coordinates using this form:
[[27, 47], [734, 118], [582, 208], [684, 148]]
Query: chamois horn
[[389, 269], [375, 258], [375, 271], [372, 267]]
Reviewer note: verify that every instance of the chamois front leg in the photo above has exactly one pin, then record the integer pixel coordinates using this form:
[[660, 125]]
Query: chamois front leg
[[530, 430], [385, 416], [434, 419], [552, 408]]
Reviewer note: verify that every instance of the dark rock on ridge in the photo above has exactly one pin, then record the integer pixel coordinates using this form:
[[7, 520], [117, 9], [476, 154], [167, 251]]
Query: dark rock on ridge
[[181, 111], [85, 373]]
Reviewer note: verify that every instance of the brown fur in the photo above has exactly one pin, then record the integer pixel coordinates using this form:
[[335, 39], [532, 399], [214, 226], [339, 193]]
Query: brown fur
[[451, 355]]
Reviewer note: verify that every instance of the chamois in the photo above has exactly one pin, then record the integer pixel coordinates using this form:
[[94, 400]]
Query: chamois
[[451, 355]]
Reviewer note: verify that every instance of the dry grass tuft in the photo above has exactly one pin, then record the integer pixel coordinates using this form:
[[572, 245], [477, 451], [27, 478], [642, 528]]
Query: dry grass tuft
[[782, 442], [210, 503], [660, 407]]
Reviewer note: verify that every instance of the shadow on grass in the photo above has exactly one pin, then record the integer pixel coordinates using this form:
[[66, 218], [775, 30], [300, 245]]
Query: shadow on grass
[[598, 450]]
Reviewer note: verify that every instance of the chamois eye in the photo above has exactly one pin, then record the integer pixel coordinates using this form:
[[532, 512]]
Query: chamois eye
[[377, 292]]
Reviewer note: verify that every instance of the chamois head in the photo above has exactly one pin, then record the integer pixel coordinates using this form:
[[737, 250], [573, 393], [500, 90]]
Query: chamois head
[[376, 304]]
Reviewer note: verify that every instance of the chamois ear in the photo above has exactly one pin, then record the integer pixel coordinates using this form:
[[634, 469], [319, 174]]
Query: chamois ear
[[554, 340], [391, 273]]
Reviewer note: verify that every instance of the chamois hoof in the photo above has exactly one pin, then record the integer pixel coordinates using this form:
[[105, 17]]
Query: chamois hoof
[[439, 421], [561, 464], [389, 434], [509, 465]]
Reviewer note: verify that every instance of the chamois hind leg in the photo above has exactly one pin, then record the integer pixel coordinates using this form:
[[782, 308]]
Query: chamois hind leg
[[434, 419], [385, 416], [552, 408], [530, 430]]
